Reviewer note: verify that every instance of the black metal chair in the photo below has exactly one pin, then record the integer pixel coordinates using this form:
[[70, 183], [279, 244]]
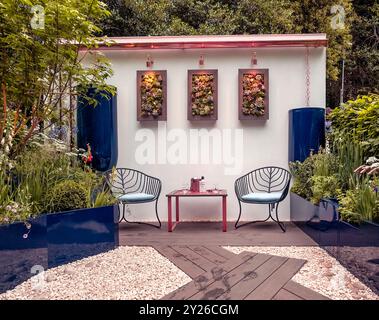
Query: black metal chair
[[131, 186], [268, 185]]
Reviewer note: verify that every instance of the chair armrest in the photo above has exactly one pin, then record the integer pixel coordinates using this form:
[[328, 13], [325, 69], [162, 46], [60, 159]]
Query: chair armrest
[[285, 190], [153, 186], [240, 189]]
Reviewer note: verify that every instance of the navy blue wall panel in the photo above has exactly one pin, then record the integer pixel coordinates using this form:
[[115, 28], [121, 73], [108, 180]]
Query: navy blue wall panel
[[98, 127], [306, 132]]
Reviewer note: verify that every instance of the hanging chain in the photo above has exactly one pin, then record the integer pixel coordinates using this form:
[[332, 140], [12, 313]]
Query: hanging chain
[[307, 78]]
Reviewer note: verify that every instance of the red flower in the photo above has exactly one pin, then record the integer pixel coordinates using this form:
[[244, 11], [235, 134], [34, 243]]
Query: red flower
[[87, 158]]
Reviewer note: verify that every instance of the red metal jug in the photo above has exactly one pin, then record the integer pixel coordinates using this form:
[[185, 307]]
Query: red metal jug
[[195, 184]]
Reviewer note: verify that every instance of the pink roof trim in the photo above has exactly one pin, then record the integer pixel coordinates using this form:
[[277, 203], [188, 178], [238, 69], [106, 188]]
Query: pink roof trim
[[223, 41]]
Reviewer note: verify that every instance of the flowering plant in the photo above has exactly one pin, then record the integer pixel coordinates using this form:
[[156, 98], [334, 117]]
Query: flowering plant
[[253, 94], [202, 94], [87, 157], [151, 94]]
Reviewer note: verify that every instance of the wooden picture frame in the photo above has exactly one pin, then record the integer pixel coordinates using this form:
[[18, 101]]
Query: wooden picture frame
[[262, 85], [196, 75], [143, 115]]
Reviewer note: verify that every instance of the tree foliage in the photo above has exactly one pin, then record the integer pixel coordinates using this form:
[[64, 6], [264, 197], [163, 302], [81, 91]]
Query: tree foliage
[[40, 66], [358, 121], [362, 64], [355, 40]]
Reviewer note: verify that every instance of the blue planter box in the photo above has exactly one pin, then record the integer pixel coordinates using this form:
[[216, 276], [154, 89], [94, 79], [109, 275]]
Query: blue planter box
[[339, 234], [18, 254], [354, 247], [53, 240]]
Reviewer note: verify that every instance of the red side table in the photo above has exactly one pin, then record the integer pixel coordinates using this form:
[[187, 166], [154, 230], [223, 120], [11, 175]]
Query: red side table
[[187, 193]]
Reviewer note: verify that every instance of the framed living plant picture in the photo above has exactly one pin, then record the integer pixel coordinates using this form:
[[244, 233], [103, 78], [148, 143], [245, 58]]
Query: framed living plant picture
[[152, 95], [202, 95], [253, 95]]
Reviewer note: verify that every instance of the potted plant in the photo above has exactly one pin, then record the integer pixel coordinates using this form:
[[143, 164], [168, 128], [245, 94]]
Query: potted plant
[[202, 95], [151, 95]]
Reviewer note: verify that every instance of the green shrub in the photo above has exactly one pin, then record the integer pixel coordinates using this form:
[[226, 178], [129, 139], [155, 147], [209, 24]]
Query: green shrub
[[324, 164], [66, 195], [347, 207], [40, 168], [302, 173], [324, 187], [103, 198], [358, 121], [350, 157], [316, 178], [360, 203]]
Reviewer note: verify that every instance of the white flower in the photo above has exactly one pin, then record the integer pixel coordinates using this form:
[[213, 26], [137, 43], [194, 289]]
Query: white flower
[[2, 141], [6, 149]]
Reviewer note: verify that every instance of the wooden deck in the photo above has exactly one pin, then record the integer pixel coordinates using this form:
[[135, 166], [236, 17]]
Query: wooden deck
[[195, 248], [219, 274], [199, 233]]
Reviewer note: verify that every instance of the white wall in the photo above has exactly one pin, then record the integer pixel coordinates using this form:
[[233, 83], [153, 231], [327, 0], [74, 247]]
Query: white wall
[[264, 143]]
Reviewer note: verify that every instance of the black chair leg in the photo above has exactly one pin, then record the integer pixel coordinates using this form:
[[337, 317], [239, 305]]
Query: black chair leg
[[250, 222], [137, 222], [271, 207], [239, 216], [156, 213], [121, 217], [281, 224]]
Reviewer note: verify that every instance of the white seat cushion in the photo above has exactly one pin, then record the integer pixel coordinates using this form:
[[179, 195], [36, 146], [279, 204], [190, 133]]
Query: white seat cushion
[[262, 197], [136, 197]]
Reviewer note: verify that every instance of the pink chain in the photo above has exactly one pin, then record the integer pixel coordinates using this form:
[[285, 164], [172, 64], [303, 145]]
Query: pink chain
[[307, 78]]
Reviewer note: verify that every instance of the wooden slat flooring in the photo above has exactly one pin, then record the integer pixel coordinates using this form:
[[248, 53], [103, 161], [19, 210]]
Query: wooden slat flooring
[[221, 252], [271, 286], [208, 254], [218, 274], [256, 278], [209, 277], [283, 294], [186, 265], [195, 257], [230, 280], [209, 233], [304, 292]]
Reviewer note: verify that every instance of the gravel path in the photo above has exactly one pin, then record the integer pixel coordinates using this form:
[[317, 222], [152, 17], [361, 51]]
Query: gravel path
[[124, 273], [321, 273], [142, 273], [361, 261]]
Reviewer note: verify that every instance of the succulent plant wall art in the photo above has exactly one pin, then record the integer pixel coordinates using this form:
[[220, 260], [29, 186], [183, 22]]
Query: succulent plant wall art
[[151, 95], [253, 94], [202, 94]]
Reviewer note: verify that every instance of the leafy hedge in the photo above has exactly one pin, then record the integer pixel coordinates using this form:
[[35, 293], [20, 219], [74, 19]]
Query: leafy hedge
[[358, 121]]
